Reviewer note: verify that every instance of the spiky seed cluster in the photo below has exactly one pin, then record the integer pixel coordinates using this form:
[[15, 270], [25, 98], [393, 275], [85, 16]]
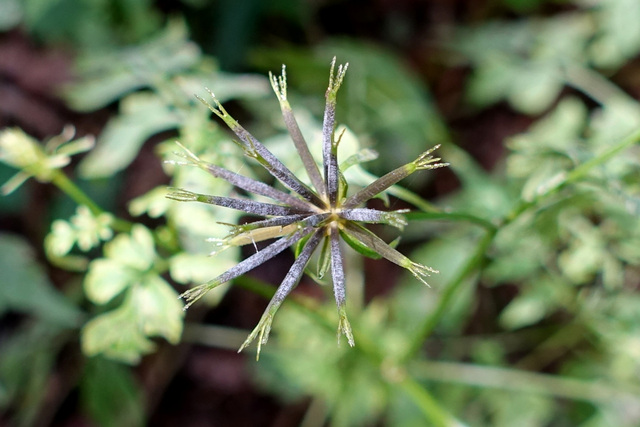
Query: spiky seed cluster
[[321, 212]]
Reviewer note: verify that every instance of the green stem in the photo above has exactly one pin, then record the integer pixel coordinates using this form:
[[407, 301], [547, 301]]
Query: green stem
[[553, 347], [256, 286], [595, 85], [68, 187], [213, 336], [451, 216], [72, 190], [431, 409], [582, 170], [521, 381], [430, 322]]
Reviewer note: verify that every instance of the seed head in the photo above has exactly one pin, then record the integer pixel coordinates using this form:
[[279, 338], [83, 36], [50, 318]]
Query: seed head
[[320, 214]]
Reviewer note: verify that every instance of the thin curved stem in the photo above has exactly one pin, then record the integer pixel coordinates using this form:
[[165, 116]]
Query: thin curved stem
[[430, 322], [523, 381], [68, 187], [451, 216], [429, 406]]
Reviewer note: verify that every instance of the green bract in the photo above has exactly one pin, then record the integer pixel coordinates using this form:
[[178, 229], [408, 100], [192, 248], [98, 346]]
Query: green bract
[[312, 213]]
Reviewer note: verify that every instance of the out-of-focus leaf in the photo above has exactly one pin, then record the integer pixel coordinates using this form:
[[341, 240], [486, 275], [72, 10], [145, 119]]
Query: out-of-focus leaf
[[557, 131], [90, 25], [25, 287], [524, 62], [150, 307], [10, 14], [108, 76], [614, 121], [110, 395], [159, 309], [538, 300], [136, 251], [142, 115], [154, 203], [348, 384], [227, 86], [535, 88], [618, 38], [524, 311], [523, 409], [107, 278], [27, 360], [116, 334], [84, 228], [198, 268]]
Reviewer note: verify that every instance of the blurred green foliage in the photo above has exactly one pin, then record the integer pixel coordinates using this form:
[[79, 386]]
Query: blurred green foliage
[[534, 319]]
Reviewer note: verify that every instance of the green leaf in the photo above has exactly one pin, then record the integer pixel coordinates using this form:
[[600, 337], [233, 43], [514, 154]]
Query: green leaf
[[618, 37], [10, 14], [110, 395], [536, 301], [142, 115], [25, 287], [117, 335], [108, 76], [61, 238], [84, 229], [107, 278], [198, 268], [523, 311], [536, 87], [135, 250], [159, 310], [524, 61], [154, 203], [27, 362]]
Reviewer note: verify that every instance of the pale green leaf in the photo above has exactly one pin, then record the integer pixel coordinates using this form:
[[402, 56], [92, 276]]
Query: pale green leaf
[[61, 238], [581, 260], [107, 76], [154, 203], [523, 311], [198, 268], [107, 278], [535, 88], [135, 250], [159, 310], [84, 229], [117, 335], [142, 115]]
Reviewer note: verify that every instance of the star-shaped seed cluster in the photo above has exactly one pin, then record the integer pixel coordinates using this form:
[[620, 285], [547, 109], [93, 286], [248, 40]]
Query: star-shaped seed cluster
[[311, 215]]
